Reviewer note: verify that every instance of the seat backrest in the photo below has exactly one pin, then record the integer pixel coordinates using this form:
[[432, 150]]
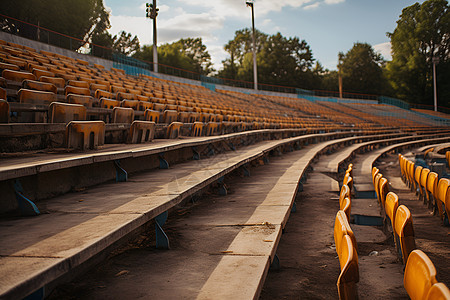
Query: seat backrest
[[348, 180], [4, 111], [438, 291], [197, 129], [410, 171], [108, 103], [173, 131], [64, 112], [76, 90], [36, 97], [432, 182], [17, 75], [141, 132], [375, 171], [170, 116], [391, 205], [346, 206], [144, 105], [78, 83], [345, 192], [420, 275], [122, 115], [417, 174], [404, 231], [103, 94], [342, 227], [134, 104], [39, 85], [447, 202], [377, 185], [349, 276], [423, 178], [85, 134], [211, 128], [384, 190], [152, 115], [441, 193], [80, 99]]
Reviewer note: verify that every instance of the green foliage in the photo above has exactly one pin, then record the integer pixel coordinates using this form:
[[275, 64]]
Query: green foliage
[[423, 31], [76, 18], [125, 43], [361, 70], [188, 54], [280, 60]]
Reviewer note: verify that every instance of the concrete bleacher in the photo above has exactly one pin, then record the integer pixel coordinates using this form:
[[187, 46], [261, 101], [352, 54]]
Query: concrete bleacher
[[69, 125]]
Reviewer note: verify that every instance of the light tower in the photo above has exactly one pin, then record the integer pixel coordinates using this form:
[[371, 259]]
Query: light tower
[[255, 72], [152, 12]]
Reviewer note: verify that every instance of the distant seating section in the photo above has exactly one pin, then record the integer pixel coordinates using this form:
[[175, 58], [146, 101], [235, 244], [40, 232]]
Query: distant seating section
[[38, 78]]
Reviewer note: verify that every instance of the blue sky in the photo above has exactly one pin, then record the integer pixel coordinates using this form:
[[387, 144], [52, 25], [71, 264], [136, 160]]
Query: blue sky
[[328, 26]]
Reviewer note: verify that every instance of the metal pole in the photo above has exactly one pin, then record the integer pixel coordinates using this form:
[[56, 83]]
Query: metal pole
[[435, 61], [155, 50], [255, 71]]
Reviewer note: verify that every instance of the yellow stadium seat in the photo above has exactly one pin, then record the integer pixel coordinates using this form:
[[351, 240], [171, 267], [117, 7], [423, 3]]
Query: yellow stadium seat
[[141, 132], [85, 134], [438, 291], [36, 97], [349, 276], [64, 113], [173, 131], [122, 115], [404, 232], [420, 275]]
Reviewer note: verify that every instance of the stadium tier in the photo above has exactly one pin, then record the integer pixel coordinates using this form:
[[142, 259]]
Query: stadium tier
[[242, 186]]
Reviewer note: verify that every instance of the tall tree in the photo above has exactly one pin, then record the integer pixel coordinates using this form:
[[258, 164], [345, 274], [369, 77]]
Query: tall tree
[[188, 54], [125, 43], [76, 18], [281, 60], [361, 69], [422, 32]]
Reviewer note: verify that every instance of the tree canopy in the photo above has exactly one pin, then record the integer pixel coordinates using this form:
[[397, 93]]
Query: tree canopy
[[422, 32], [76, 18], [188, 54], [361, 70], [280, 60]]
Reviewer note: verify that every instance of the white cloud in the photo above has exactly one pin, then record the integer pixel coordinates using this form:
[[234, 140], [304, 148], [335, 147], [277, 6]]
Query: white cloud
[[312, 6], [334, 1], [384, 49]]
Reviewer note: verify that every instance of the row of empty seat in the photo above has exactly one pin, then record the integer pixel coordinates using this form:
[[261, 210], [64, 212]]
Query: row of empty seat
[[419, 277]]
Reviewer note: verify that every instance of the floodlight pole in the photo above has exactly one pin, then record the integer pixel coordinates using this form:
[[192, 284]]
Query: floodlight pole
[[435, 61], [255, 72], [155, 50], [152, 12]]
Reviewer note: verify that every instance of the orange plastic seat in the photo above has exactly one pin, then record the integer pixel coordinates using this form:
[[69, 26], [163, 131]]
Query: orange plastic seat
[[423, 184], [345, 193], [431, 187], [349, 276], [141, 132], [173, 131], [417, 174], [144, 105], [404, 232], [152, 115], [122, 115], [391, 206], [103, 94], [39, 73], [346, 206], [36, 97], [17, 75], [80, 99], [64, 113], [134, 104], [441, 194], [383, 188], [438, 291], [76, 90], [341, 228], [57, 81], [159, 106], [78, 83], [348, 180], [170, 116], [4, 111], [420, 275], [197, 129], [108, 103], [40, 86], [212, 128], [85, 134], [125, 96]]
